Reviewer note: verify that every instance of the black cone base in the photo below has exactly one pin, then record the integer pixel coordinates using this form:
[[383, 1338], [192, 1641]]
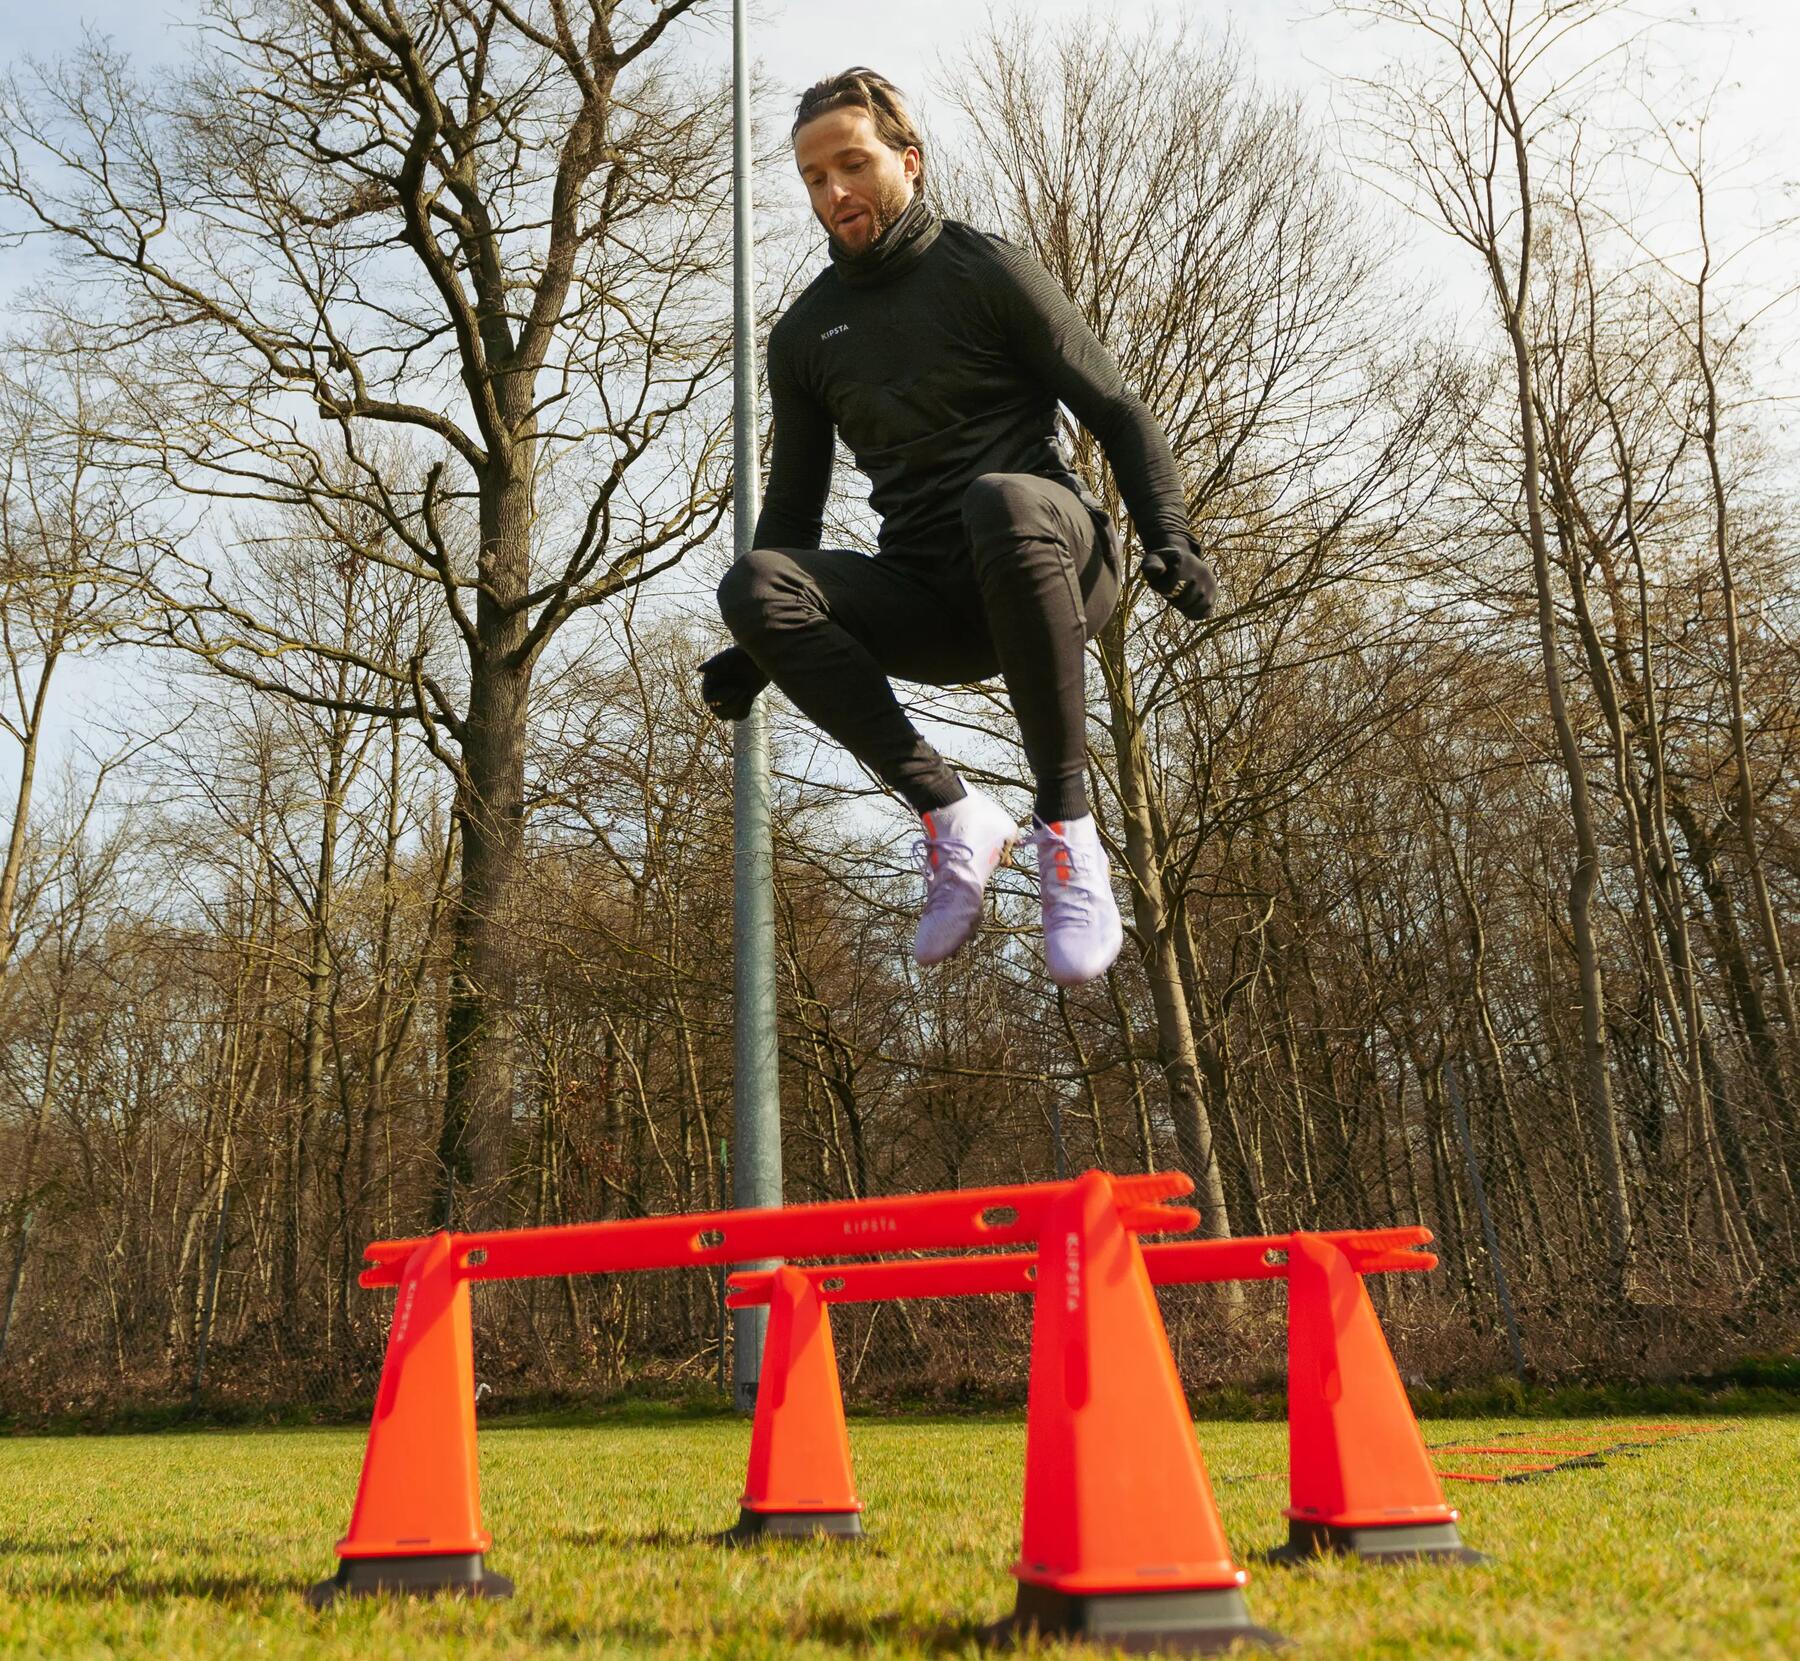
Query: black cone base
[[1193, 1622], [430, 1576], [793, 1525], [1400, 1543]]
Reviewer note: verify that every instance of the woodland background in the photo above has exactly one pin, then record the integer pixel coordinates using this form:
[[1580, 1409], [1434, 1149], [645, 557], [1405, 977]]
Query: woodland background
[[374, 431]]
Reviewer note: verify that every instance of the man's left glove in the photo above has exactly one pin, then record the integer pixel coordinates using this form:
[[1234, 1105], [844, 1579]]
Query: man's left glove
[[1182, 578], [729, 682]]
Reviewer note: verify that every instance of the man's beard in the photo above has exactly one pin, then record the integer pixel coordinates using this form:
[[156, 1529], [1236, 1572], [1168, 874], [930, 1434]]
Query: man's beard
[[891, 201]]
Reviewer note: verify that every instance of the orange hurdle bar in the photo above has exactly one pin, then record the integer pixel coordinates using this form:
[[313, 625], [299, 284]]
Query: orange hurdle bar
[[1172, 1263], [1361, 1481], [416, 1524], [906, 1222]]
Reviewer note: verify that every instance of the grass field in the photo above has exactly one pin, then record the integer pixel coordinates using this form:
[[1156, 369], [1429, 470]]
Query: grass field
[[197, 1545]]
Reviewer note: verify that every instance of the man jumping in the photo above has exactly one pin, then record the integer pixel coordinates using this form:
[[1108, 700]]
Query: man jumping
[[939, 353]]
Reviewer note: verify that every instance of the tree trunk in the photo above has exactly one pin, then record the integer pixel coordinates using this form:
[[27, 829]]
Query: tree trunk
[[17, 838], [479, 1040], [1514, 302], [313, 1028], [1156, 925], [28, 1173], [1734, 664]]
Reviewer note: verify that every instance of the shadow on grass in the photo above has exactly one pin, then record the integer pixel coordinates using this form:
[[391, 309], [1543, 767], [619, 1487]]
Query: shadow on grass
[[842, 1631], [134, 1583], [9, 1547], [113, 1575], [943, 1637], [859, 1546], [625, 1539], [628, 1538]]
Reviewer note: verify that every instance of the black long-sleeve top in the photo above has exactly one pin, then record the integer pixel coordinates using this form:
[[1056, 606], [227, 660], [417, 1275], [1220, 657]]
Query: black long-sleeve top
[[949, 367]]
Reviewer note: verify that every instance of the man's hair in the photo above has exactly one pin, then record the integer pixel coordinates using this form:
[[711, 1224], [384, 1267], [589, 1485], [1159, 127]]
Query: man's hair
[[863, 89]]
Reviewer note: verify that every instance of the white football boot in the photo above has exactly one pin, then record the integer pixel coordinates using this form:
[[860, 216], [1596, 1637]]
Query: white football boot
[[1082, 931], [962, 845]]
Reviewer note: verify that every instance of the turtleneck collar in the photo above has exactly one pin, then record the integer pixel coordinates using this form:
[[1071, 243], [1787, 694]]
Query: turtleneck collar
[[897, 249]]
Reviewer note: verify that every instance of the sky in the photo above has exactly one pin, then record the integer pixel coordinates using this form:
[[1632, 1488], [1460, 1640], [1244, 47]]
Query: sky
[[1752, 46], [1300, 43], [1746, 52], [1748, 49]]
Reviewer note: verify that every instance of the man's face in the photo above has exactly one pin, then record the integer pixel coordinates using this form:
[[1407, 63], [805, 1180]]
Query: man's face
[[857, 185]]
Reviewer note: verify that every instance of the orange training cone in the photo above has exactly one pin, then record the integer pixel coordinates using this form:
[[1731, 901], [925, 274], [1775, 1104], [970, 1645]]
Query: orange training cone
[[1122, 1542], [417, 1522], [1359, 1477], [800, 1482]]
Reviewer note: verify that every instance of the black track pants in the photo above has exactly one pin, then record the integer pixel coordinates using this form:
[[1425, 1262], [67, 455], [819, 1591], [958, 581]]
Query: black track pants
[[1036, 577]]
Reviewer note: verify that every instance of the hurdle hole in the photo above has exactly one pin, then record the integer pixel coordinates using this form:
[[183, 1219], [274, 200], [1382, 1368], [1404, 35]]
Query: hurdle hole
[[474, 1257], [999, 1216], [1275, 1257], [834, 1284], [1031, 1271], [708, 1238]]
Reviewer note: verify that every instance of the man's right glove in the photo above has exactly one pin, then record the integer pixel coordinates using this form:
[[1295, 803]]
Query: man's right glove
[[1181, 577], [729, 682]]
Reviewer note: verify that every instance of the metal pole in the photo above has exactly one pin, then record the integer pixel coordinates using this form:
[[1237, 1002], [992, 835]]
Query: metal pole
[[1453, 1092], [756, 1098], [719, 1288]]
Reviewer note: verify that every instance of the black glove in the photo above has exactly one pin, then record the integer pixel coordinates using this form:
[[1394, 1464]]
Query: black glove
[[1181, 577], [730, 682]]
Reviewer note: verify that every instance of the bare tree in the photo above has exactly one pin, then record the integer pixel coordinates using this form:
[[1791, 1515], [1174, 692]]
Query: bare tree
[[68, 523], [493, 227], [1194, 222], [1464, 131], [1714, 340], [76, 895]]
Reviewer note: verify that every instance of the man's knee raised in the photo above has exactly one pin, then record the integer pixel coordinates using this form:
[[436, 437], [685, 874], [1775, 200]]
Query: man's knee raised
[[990, 505], [744, 589]]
